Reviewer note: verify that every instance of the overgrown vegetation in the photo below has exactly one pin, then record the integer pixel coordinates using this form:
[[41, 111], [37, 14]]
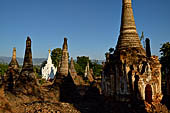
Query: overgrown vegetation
[[81, 64], [3, 68], [56, 56], [37, 71]]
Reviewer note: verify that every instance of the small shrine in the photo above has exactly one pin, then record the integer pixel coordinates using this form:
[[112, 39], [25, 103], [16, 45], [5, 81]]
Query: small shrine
[[49, 71]]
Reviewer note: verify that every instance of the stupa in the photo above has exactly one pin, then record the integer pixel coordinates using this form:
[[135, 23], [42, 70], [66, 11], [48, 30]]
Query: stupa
[[129, 73], [12, 73], [88, 73], [64, 61], [49, 70]]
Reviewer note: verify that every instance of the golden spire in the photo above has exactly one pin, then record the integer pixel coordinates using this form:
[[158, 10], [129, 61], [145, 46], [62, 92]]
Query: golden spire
[[49, 51]]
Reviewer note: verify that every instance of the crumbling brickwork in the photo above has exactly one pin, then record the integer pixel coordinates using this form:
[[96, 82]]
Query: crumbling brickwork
[[128, 72]]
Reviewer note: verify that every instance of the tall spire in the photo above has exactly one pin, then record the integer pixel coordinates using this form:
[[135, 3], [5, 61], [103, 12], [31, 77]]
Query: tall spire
[[72, 65], [72, 69], [65, 44], [64, 61], [128, 37], [49, 51], [28, 64]]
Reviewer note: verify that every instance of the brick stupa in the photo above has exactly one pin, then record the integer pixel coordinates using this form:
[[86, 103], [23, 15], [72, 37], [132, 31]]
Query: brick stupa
[[63, 71], [28, 64], [129, 74], [14, 63], [12, 73]]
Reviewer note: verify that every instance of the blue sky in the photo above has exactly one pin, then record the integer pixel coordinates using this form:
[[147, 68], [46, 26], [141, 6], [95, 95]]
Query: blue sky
[[91, 26]]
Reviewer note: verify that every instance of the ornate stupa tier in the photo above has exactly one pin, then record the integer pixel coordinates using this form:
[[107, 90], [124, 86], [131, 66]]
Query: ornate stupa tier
[[128, 37]]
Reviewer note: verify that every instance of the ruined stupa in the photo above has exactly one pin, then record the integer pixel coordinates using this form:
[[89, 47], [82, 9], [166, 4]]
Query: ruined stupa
[[28, 64], [129, 73], [12, 73], [64, 81], [14, 63], [63, 71], [72, 69], [78, 80], [88, 73], [27, 76]]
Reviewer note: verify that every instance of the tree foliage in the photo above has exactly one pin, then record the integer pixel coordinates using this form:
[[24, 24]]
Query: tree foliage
[[79, 69], [82, 63], [56, 56], [37, 71], [97, 68], [3, 68], [165, 58]]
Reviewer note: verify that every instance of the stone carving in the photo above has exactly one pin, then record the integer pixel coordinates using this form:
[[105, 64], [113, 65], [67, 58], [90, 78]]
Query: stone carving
[[49, 70], [129, 71], [64, 62]]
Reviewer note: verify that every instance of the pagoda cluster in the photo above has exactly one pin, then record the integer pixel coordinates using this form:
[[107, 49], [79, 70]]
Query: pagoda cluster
[[65, 81]]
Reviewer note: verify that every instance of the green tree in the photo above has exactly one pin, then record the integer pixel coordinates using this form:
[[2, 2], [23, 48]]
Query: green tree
[[97, 68], [37, 71], [79, 69], [82, 63], [3, 68], [165, 58], [56, 56]]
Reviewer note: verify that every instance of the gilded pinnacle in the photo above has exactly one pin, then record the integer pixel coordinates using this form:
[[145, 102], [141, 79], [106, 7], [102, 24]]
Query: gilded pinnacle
[[49, 51]]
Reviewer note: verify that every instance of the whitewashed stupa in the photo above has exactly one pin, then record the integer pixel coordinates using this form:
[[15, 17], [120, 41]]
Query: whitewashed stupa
[[49, 71]]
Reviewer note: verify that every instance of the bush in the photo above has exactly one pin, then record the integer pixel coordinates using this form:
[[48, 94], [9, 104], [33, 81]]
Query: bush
[[3, 68]]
